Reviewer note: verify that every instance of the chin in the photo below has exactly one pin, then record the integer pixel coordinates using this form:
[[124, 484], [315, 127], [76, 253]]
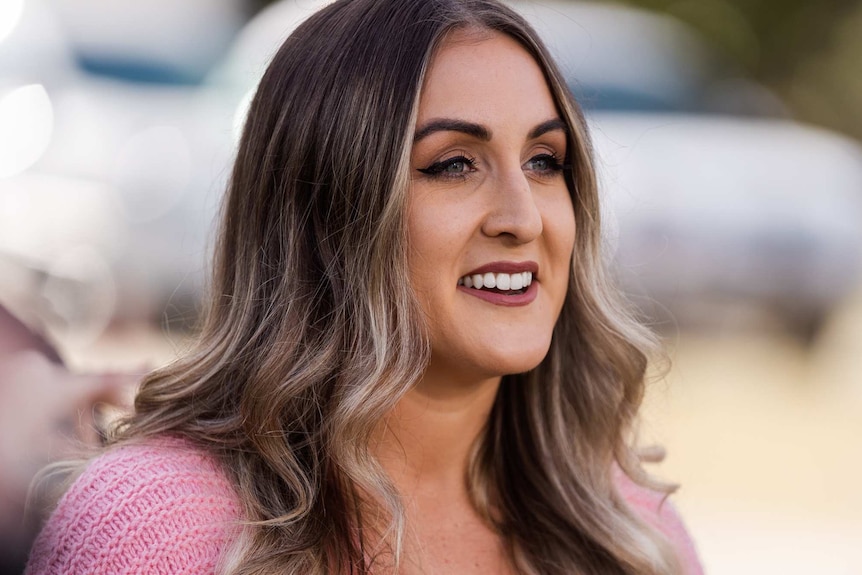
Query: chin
[[517, 360], [485, 358]]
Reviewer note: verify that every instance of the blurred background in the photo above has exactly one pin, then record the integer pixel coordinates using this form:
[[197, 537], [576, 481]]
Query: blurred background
[[726, 133]]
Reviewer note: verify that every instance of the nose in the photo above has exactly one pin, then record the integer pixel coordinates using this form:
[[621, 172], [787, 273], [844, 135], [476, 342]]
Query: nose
[[512, 209]]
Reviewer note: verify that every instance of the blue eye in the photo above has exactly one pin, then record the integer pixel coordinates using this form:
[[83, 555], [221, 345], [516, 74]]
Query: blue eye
[[452, 167], [543, 163]]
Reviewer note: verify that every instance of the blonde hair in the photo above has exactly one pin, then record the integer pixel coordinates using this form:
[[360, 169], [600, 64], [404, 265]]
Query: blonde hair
[[312, 332]]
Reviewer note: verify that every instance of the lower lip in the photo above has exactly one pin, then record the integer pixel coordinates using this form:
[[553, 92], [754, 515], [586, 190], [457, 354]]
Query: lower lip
[[505, 300]]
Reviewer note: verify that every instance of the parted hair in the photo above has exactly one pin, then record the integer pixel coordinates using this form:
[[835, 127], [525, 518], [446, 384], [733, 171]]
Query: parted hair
[[312, 332]]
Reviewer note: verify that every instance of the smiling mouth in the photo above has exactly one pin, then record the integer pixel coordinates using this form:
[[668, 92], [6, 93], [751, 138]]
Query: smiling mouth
[[502, 283]]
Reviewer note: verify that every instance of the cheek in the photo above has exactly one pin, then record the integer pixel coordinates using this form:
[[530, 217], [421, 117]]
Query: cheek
[[559, 224], [424, 253], [437, 234], [560, 234], [430, 253]]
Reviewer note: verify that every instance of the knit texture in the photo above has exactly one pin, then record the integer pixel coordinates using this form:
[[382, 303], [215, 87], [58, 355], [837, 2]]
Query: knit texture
[[165, 507], [162, 507]]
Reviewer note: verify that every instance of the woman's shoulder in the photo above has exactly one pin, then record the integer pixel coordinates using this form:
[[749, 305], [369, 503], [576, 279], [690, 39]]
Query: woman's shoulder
[[156, 506], [658, 511]]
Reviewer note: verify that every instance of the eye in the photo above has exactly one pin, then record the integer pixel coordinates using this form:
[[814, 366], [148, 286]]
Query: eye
[[456, 167], [543, 164]]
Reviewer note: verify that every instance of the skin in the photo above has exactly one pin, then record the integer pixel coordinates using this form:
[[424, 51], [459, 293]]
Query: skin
[[505, 200]]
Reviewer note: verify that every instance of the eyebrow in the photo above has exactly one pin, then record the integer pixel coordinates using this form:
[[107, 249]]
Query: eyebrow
[[448, 125], [548, 126], [481, 132]]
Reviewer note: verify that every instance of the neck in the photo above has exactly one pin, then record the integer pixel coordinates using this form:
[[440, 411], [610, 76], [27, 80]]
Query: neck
[[424, 444]]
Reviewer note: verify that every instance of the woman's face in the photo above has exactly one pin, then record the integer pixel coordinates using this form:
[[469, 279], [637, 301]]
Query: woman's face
[[488, 205]]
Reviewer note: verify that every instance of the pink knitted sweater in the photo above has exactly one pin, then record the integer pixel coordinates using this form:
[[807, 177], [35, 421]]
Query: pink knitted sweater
[[164, 506]]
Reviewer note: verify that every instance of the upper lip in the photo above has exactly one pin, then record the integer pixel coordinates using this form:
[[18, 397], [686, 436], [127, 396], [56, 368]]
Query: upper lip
[[506, 268]]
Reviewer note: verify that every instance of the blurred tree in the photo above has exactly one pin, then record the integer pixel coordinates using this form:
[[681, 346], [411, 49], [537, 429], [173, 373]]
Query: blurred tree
[[783, 29], [807, 52], [826, 86]]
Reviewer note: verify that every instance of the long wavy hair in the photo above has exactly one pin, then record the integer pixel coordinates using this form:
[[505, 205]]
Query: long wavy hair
[[312, 332]]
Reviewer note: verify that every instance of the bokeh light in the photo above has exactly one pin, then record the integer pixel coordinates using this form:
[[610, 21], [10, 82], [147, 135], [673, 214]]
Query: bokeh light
[[26, 124], [10, 15]]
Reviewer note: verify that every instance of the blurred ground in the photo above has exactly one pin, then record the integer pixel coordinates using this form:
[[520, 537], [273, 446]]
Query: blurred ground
[[762, 433], [764, 436]]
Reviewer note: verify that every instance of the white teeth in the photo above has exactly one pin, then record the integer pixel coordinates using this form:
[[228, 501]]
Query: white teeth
[[489, 280], [501, 281]]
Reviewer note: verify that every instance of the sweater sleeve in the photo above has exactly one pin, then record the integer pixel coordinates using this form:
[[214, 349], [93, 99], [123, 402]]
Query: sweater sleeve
[[658, 511], [159, 507]]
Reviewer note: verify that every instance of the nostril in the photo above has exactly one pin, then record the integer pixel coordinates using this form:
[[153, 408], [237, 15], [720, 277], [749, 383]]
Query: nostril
[[517, 226]]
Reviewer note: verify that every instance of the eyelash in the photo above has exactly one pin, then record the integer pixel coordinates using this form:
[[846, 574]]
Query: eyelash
[[554, 165], [438, 169]]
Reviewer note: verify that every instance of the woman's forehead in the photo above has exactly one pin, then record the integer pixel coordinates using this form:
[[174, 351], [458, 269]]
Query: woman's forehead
[[480, 71]]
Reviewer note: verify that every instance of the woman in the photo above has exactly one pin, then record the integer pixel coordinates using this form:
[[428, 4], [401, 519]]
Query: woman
[[412, 361]]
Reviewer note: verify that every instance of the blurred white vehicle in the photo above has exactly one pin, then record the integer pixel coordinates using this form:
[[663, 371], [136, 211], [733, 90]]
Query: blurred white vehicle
[[729, 220]]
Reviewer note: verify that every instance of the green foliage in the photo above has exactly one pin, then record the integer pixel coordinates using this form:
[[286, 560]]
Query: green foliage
[[807, 52]]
